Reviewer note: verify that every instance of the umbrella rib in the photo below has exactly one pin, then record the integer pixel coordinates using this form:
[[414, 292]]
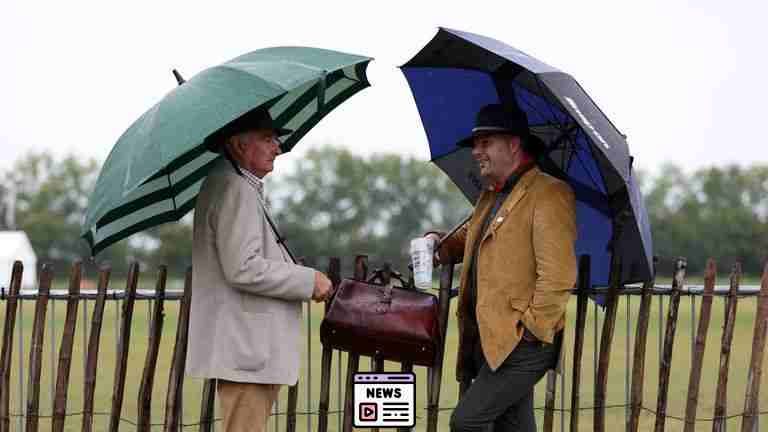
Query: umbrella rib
[[541, 113], [599, 171], [588, 171], [152, 197], [232, 68], [329, 106], [170, 186], [305, 99], [168, 216], [543, 89]]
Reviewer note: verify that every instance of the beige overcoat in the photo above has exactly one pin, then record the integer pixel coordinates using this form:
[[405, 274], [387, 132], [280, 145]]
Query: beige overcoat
[[245, 320]]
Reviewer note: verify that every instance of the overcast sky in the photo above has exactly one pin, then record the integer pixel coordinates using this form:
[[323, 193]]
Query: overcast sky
[[685, 80]]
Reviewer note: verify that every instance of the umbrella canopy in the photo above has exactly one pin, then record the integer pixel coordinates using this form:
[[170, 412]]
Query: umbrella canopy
[[457, 73], [155, 169]]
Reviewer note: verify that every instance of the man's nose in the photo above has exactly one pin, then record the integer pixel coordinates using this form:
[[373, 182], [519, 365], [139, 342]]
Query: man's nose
[[278, 150]]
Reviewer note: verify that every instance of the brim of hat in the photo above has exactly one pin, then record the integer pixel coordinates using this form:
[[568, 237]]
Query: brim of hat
[[469, 141], [283, 132], [214, 145]]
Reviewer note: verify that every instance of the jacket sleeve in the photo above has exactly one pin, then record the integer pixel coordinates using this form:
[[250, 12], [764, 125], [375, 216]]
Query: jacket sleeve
[[554, 237], [239, 235]]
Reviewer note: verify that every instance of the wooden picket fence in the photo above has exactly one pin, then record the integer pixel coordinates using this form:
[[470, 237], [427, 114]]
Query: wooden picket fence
[[28, 420]]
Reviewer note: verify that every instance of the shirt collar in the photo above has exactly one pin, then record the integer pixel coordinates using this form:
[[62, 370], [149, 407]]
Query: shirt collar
[[255, 181], [513, 178]]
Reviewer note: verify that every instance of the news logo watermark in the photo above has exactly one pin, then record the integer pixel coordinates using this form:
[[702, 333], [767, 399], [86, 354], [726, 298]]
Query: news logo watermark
[[384, 399]]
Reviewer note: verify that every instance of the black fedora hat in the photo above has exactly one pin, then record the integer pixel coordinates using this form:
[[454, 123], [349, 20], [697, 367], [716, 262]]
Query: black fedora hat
[[495, 119], [254, 119]]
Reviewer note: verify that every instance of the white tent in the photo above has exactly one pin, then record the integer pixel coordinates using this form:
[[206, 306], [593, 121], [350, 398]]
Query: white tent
[[15, 245]]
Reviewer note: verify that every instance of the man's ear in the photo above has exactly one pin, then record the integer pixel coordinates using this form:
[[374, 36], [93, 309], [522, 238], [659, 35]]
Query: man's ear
[[235, 146], [513, 144]]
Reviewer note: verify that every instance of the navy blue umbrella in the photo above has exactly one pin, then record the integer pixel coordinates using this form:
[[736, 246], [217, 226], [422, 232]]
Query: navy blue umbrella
[[456, 73]]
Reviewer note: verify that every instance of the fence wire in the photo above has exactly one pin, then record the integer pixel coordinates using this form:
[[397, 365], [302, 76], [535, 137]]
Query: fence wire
[[418, 417]]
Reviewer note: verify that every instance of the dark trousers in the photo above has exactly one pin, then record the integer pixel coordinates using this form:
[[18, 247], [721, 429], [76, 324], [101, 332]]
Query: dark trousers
[[504, 398]]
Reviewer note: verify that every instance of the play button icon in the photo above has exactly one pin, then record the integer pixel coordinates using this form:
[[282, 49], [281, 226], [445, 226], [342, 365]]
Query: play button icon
[[384, 400], [368, 411]]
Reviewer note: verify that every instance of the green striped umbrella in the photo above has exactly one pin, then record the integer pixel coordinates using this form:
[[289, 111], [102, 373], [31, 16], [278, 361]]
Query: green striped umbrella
[[155, 169]]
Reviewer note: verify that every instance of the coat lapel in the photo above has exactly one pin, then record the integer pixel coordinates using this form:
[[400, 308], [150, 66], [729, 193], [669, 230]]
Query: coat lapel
[[519, 191]]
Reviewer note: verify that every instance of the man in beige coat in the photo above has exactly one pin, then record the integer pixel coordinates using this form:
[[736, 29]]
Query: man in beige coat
[[519, 265], [247, 292]]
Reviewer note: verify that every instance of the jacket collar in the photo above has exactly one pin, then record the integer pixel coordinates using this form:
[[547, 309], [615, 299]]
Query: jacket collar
[[520, 190]]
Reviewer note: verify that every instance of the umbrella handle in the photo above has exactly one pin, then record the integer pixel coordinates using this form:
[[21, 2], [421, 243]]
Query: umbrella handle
[[453, 230]]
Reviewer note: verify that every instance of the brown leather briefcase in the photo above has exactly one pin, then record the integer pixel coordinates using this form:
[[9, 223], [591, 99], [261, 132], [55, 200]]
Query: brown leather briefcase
[[390, 323]]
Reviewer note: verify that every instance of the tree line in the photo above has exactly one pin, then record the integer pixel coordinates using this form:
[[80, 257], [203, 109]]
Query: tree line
[[336, 203]]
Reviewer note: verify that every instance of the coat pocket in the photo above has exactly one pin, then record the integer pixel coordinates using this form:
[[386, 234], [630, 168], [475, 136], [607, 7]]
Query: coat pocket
[[519, 303], [250, 337]]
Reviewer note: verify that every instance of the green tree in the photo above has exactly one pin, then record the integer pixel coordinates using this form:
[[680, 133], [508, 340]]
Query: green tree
[[171, 245], [717, 212], [50, 197], [338, 204]]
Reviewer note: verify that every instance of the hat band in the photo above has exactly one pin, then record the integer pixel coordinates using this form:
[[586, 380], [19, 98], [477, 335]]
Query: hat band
[[489, 129]]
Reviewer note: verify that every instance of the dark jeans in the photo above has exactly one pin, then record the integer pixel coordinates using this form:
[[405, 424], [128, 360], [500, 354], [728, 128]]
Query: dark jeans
[[504, 398]]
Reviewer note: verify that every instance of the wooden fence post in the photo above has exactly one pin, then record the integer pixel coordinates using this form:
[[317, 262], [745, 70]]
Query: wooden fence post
[[752, 397], [606, 341], [669, 342], [582, 284], [150, 362], [377, 362], [89, 385], [7, 349], [293, 402], [701, 339], [638, 362], [353, 360], [207, 406], [549, 400], [721, 396], [123, 347], [65, 351], [173, 402], [36, 349], [361, 268], [444, 305], [334, 274], [408, 366], [384, 276]]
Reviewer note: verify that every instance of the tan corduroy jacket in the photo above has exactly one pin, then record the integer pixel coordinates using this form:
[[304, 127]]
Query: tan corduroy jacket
[[526, 264]]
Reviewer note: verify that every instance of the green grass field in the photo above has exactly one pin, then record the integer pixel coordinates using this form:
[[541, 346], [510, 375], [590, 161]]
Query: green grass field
[[625, 331]]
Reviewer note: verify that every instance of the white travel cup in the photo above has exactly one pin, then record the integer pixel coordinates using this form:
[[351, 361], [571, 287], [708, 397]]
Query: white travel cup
[[421, 259]]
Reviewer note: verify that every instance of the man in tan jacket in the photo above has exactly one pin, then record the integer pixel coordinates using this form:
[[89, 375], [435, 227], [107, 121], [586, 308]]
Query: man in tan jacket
[[519, 265], [245, 320]]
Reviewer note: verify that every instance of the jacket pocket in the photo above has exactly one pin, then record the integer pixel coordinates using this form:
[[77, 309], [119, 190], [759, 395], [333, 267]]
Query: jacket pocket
[[519, 303], [250, 337]]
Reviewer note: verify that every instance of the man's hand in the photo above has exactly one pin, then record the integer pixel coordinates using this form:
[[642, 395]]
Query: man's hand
[[323, 288], [435, 240]]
